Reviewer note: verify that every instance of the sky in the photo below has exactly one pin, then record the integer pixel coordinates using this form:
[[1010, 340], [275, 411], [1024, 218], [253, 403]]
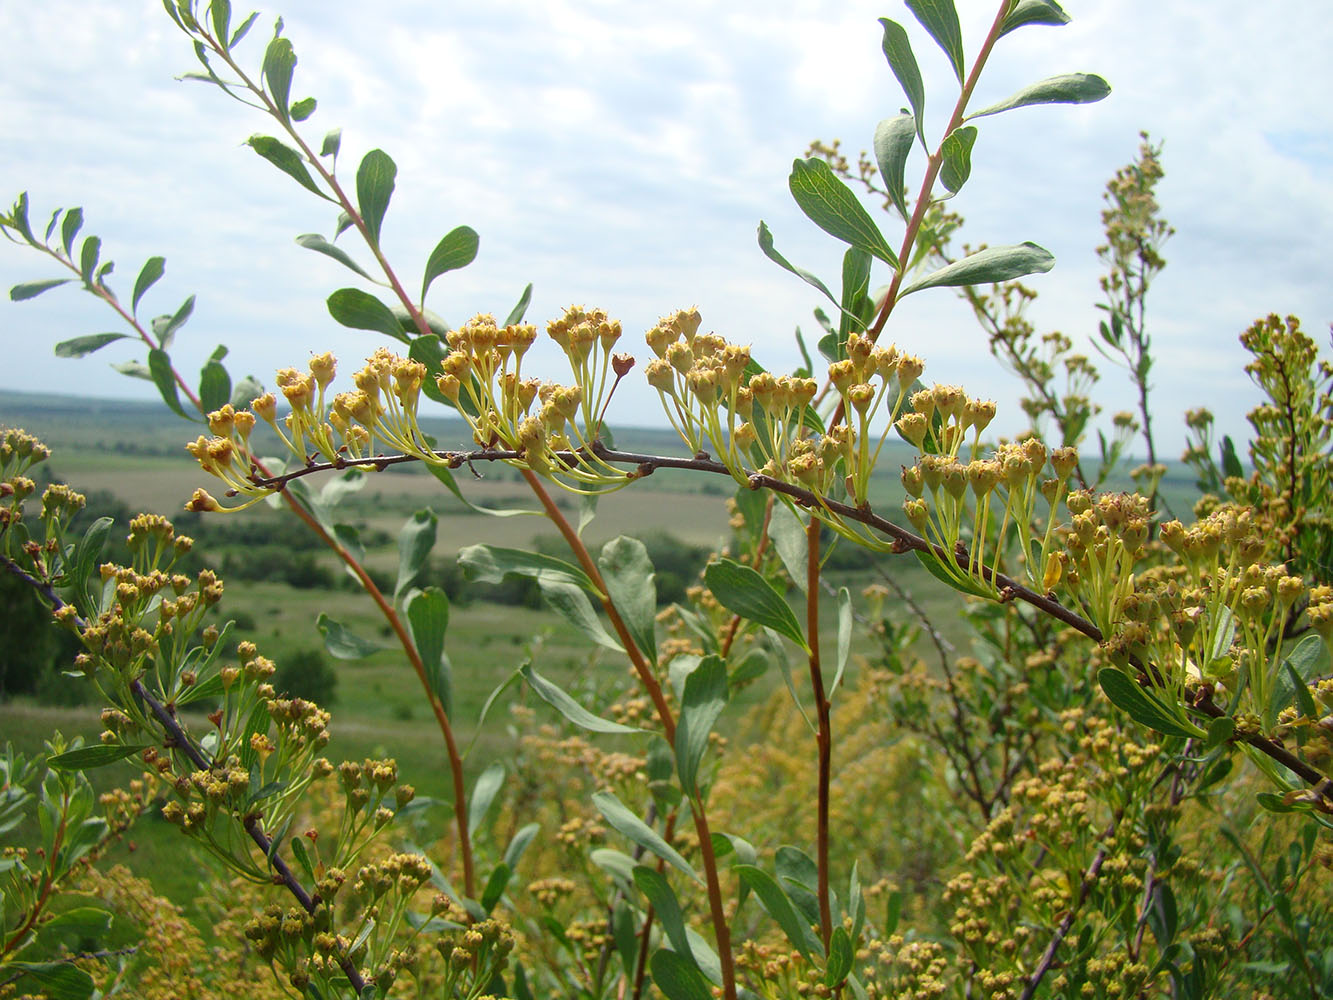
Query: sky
[[621, 155]]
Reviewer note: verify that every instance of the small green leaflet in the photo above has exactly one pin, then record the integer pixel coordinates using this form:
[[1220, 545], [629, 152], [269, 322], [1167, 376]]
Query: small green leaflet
[[744, 592], [1142, 707], [568, 707], [986, 266], [457, 249], [374, 187], [1069, 88]]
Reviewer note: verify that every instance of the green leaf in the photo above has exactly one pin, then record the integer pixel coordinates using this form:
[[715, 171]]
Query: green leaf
[[59, 980], [415, 540], [70, 229], [332, 143], [246, 391], [90, 757], [317, 243], [571, 602], [285, 159], [518, 844], [1032, 12], [856, 306], [960, 582], [831, 205], [1068, 88], [844, 637], [1142, 707], [302, 857], [840, 954], [279, 63], [520, 307], [457, 249], [941, 19], [993, 264], [374, 188], [159, 368], [80, 922], [677, 977], [779, 907], [495, 886], [957, 152], [657, 890], [81, 346], [214, 387], [787, 532], [88, 256], [704, 698], [303, 109], [362, 311], [492, 563], [629, 825], [744, 592], [32, 289], [893, 142], [1219, 731], [153, 269], [488, 785], [428, 619], [221, 13], [568, 707], [630, 581], [1308, 660], [342, 643], [898, 51], [766, 246], [165, 327]]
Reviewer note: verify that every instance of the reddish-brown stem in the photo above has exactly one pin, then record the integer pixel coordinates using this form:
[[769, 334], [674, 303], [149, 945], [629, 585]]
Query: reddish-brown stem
[[824, 733], [721, 932]]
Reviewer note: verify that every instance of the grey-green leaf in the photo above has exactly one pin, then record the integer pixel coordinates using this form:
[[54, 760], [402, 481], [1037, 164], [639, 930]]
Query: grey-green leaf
[[88, 255], [32, 289], [831, 205], [428, 619], [332, 143], [677, 977], [159, 369], [362, 311], [153, 269], [285, 159], [374, 188], [80, 346], [492, 563], [317, 243], [744, 592], [766, 245], [898, 51], [957, 157], [657, 890], [165, 327], [844, 636], [779, 907], [631, 583], [520, 307], [1033, 12], [214, 386], [415, 540], [941, 19], [89, 757], [985, 266], [704, 698], [840, 955], [342, 643], [1069, 88], [571, 602], [70, 228], [457, 249], [629, 825], [484, 791], [1142, 707], [303, 109], [568, 707], [279, 63], [893, 142]]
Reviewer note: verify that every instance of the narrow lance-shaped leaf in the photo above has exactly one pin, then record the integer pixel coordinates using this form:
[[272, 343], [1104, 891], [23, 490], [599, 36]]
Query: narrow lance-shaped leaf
[[88, 256], [70, 228], [1033, 12], [492, 563], [705, 697], [744, 592], [165, 327], [855, 284], [457, 249], [279, 63], [986, 266], [766, 246], [159, 369], [657, 890], [243, 30], [957, 157], [362, 311], [415, 540], [567, 706], [779, 907], [898, 51], [831, 205], [572, 604], [317, 243], [631, 583], [629, 825], [81, 346], [428, 620], [1142, 707], [89, 757], [221, 14], [520, 307], [32, 289], [483, 794], [153, 269], [893, 141], [285, 159], [941, 19], [677, 977], [374, 188], [342, 643], [1070, 88]]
